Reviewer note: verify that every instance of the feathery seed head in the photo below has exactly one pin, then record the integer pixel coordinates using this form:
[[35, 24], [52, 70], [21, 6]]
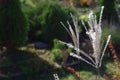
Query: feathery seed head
[[94, 33]]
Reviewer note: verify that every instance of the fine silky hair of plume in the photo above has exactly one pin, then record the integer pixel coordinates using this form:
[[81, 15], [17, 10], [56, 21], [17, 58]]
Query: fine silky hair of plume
[[94, 33], [73, 34]]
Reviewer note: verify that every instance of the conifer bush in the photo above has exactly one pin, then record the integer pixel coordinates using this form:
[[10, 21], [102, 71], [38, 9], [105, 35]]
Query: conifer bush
[[47, 19], [50, 21], [13, 24]]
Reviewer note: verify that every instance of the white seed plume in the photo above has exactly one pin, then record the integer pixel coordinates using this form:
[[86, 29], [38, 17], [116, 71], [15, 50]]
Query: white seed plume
[[73, 34], [94, 33]]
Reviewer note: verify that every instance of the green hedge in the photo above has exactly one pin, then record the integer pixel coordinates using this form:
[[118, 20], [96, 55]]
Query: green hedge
[[44, 20], [13, 24]]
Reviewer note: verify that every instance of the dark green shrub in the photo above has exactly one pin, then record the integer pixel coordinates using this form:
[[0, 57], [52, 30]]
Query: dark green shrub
[[13, 24], [45, 21], [50, 19], [110, 10], [34, 24], [115, 38], [29, 8]]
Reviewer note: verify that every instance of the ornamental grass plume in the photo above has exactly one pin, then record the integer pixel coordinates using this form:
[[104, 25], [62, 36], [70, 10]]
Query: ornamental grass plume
[[94, 33], [73, 34]]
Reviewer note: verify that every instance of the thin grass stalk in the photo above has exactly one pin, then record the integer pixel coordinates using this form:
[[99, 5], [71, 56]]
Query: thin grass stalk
[[80, 51], [73, 34], [79, 57], [103, 52], [75, 21], [97, 73]]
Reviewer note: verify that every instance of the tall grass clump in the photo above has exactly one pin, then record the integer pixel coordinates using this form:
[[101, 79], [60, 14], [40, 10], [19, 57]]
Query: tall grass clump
[[94, 33], [13, 24]]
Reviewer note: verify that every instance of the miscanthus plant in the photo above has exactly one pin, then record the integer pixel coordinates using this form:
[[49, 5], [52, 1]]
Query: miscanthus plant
[[94, 33]]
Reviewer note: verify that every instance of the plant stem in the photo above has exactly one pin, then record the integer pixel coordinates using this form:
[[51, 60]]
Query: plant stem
[[97, 73]]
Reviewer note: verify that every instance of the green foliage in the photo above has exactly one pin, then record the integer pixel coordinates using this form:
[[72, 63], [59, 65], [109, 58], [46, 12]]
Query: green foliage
[[13, 24], [115, 38], [50, 18], [110, 10], [57, 55], [59, 51], [58, 45], [29, 8], [44, 20]]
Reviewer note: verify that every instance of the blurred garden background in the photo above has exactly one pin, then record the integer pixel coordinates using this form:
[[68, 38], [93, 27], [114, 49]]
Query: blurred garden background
[[30, 31]]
